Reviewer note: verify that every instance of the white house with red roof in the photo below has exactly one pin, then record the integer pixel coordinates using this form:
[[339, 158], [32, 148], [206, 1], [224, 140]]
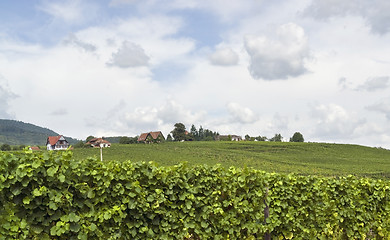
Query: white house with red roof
[[57, 143]]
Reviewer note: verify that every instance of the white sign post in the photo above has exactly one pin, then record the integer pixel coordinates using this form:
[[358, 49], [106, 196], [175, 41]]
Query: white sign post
[[101, 151]]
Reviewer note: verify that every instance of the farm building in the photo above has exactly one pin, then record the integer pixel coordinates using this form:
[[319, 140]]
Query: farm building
[[57, 143], [151, 137], [229, 138], [98, 142]]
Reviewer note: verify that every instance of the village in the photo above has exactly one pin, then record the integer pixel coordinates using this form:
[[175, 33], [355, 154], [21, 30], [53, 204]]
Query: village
[[178, 134], [60, 143]]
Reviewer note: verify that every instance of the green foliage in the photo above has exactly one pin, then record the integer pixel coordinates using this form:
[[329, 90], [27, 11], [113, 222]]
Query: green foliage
[[89, 138], [198, 135], [282, 157], [5, 147], [203, 134], [261, 138], [179, 132], [277, 138], [81, 144], [124, 140], [18, 147], [225, 138], [297, 137], [194, 132], [50, 195]]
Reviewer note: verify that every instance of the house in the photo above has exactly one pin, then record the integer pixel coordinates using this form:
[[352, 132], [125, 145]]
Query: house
[[229, 138], [98, 142], [34, 148], [57, 143], [236, 138], [151, 137]]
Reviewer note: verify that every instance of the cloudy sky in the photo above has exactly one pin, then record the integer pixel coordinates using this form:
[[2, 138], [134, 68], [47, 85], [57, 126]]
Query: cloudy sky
[[122, 67]]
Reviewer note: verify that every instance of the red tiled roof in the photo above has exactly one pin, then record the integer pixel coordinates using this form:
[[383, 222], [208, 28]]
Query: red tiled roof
[[53, 139], [154, 135], [97, 141], [143, 137]]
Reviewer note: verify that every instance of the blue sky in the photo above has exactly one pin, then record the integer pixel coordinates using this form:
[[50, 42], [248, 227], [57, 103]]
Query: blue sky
[[123, 67]]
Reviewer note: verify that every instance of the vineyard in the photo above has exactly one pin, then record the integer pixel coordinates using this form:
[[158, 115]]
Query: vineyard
[[321, 159], [46, 195]]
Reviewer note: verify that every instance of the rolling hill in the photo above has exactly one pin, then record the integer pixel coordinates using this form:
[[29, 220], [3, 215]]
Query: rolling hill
[[321, 159], [14, 132]]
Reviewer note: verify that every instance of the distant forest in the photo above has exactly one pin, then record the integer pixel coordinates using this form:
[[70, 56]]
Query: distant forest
[[14, 132]]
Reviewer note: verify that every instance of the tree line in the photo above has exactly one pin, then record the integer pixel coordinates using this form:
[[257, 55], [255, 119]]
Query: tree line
[[7, 147], [180, 133]]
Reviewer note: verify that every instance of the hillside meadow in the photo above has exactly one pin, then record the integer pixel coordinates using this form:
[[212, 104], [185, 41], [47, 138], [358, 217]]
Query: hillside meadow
[[321, 159]]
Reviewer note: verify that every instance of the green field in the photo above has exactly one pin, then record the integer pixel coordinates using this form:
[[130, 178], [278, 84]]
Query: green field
[[321, 159]]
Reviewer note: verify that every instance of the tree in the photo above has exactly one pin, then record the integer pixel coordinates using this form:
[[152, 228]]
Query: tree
[[201, 133], [179, 133], [20, 147], [297, 137], [276, 138], [194, 133], [247, 137], [124, 140], [5, 147], [80, 144], [89, 138], [261, 138], [134, 139]]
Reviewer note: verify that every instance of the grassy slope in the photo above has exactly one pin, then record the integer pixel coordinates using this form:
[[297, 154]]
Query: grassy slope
[[303, 158]]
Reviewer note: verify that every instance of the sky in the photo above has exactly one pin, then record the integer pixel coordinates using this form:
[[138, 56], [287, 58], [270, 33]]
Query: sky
[[256, 67]]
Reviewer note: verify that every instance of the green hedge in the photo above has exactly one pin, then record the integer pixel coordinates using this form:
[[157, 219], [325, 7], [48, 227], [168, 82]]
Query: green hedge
[[50, 196]]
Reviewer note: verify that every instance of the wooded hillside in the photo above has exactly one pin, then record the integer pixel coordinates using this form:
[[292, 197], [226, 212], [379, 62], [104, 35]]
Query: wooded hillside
[[19, 133]]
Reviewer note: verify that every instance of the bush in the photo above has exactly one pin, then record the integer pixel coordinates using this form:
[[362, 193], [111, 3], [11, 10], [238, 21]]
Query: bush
[[5, 147], [48, 195], [297, 137], [81, 144]]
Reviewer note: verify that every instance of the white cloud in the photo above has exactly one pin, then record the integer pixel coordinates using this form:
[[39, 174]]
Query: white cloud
[[73, 40], [122, 119], [343, 83], [334, 122], [280, 122], [129, 55], [224, 57], [241, 114], [278, 58], [163, 68], [375, 12], [172, 112], [382, 107], [374, 84], [59, 112], [6, 95]]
